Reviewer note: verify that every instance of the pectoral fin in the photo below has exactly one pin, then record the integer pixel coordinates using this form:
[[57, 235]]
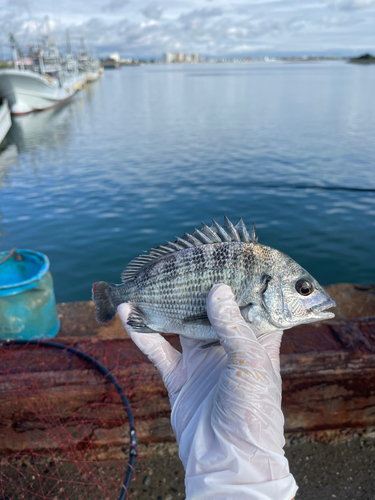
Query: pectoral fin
[[201, 319], [214, 343]]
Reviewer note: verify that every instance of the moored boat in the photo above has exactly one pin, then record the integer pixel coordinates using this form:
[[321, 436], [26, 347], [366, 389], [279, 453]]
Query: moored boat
[[38, 81], [28, 91], [93, 72], [89, 68], [5, 120]]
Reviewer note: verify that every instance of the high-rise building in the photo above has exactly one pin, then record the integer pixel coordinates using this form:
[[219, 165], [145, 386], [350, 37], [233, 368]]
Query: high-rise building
[[167, 58], [179, 57]]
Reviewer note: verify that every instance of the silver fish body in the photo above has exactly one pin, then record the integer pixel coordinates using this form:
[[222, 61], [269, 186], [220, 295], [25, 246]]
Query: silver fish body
[[168, 287]]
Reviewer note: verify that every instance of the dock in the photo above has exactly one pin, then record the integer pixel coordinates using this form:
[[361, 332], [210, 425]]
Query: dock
[[328, 372]]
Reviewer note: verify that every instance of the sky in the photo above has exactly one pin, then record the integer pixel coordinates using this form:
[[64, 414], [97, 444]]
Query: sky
[[216, 28]]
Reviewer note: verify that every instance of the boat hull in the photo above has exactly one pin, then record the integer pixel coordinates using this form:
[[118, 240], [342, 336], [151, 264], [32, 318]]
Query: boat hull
[[5, 120], [27, 91], [92, 76]]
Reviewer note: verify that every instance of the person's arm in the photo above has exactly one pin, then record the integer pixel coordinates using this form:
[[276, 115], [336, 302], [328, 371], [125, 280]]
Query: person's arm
[[226, 406]]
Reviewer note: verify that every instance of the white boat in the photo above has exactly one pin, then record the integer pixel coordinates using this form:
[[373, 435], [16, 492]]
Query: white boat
[[28, 91], [38, 81], [93, 71], [5, 120], [89, 68]]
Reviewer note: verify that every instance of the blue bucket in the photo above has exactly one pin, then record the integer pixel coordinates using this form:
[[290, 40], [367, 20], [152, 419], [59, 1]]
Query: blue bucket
[[27, 300]]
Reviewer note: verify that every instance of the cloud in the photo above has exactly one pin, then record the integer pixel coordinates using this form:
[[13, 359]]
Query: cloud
[[354, 4], [197, 21], [148, 28], [201, 14], [24, 4], [114, 5], [152, 11]]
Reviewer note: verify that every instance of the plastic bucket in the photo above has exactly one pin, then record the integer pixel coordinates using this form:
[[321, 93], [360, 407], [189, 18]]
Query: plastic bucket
[[27, 299]]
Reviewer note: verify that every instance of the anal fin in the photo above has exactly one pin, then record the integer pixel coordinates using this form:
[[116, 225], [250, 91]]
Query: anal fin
[[136, 321]]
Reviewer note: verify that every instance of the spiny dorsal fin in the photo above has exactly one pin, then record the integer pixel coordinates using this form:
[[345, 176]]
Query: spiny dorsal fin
[[204, 236]]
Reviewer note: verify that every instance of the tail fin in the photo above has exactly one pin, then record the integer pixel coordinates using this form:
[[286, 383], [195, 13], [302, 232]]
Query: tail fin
[[101, 295]]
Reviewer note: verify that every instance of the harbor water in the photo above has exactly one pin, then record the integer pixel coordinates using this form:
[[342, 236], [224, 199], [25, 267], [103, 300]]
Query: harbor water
[[147, 152]]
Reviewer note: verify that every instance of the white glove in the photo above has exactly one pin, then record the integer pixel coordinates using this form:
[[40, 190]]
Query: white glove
[[226, 406]]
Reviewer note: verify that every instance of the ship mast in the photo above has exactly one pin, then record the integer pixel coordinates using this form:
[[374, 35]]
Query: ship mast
[[15, 48], [68, 41]]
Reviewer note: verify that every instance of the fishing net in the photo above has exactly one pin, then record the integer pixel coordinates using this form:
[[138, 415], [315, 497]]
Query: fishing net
[[64, 429]]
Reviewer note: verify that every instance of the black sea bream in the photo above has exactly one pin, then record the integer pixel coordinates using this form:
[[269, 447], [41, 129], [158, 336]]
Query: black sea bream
[[168, 286]]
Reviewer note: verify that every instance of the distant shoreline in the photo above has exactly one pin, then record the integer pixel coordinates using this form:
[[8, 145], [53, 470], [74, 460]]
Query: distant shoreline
[[365, 59]]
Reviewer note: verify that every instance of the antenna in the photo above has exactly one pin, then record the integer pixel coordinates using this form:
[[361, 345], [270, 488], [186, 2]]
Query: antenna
[[14, 46], [47, 28], [68, 41], [33, 21]]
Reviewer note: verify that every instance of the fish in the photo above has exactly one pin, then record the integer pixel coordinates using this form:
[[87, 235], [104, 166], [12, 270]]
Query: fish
[[167, 287]]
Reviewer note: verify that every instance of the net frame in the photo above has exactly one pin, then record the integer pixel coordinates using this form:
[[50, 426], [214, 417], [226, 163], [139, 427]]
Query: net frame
[[133, 445]]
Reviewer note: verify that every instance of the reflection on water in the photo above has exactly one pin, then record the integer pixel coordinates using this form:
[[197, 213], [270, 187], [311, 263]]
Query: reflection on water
[[147, 152], [47, 129], [8, 159]]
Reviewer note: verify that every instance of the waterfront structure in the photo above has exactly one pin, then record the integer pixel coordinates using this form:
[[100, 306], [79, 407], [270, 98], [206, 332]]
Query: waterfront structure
[[115, 56], [110, 64], [113, 62]]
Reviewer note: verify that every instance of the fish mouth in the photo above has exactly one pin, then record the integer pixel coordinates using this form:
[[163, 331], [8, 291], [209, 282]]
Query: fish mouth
[[319, 310]]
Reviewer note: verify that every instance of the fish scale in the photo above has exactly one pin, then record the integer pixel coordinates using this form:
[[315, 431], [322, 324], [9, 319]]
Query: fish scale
[[181, 295], [168, 286]]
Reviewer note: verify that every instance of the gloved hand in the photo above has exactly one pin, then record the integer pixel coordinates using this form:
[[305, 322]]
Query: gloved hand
[[226, 406]]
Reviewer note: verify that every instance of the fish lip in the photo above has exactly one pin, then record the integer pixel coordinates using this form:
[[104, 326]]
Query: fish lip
[[320, 308]]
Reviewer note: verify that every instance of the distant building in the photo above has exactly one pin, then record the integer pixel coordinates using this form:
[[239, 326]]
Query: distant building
[[179, 57], [168, 58], [115, 56]]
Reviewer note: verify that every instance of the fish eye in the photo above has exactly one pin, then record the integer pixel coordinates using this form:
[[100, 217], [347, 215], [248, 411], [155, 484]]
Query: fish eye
[[304, 287]]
